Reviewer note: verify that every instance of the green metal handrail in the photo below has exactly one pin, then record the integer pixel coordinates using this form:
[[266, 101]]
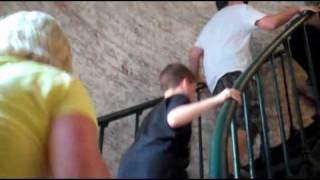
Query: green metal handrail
[[218, 155]]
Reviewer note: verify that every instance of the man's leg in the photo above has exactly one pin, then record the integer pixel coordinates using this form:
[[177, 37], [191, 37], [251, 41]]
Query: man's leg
[[227, 81], [242, 144]]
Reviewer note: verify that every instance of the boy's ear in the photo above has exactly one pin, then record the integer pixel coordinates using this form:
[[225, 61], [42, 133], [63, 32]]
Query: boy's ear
[[184, 83]]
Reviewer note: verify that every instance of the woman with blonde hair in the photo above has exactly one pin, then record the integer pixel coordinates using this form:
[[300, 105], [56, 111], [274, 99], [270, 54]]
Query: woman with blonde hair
[[47, 120]]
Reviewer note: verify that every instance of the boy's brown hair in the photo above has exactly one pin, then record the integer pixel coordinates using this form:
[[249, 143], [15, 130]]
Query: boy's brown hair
[[173, 74]]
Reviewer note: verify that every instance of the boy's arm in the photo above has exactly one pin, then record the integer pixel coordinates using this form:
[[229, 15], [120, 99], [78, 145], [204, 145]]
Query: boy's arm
[[184, 114], [195, 56], [271, 22]]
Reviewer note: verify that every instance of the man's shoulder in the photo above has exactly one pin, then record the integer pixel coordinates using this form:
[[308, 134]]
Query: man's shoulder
[[227, 14], [233, 10]]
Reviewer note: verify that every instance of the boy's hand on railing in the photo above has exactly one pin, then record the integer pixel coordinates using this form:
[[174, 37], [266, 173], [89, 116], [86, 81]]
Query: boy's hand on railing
[[232, 93]]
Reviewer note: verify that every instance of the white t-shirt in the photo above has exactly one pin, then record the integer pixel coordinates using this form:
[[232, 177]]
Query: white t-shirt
[[226, 41]]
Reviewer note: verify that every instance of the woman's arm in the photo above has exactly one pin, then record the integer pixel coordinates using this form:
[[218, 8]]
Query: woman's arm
[[73, 149]]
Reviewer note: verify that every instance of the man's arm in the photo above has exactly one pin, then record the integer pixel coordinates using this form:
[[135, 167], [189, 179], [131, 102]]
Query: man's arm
[[184, 114], [73, 149], [195, 57], [271, 22], [314, 21]]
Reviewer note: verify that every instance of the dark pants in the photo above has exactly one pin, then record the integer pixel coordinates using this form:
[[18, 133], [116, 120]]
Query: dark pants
[[227, 81], [147, 165]]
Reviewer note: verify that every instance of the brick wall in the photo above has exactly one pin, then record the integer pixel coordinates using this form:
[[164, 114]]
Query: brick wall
[[119, 48]]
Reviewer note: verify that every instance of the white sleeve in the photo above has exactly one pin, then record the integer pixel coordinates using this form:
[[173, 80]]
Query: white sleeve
[[252, 15]]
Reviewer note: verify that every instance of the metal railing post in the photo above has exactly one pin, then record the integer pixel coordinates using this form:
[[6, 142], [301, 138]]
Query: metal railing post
[[235, 150], [137, 123], [264, 124], [201, 172], [248, 129], [101, 138], [280, 118], [311, 67], [297, 109]]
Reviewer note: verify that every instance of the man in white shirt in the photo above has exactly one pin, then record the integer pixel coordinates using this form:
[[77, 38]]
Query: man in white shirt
[[224, 44], [224, 41]]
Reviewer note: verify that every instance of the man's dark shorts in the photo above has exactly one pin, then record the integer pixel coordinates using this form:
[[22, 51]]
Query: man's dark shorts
[[227, 81]]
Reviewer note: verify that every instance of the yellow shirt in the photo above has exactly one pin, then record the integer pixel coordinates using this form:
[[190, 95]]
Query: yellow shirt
[[31, 95]]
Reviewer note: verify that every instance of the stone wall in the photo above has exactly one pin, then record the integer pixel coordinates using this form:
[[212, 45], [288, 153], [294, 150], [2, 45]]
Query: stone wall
[[119, 48]]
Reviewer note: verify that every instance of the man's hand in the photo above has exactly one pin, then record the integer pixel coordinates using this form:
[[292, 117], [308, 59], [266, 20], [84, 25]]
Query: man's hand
[[315, 9], [231, 93], [272, 22]]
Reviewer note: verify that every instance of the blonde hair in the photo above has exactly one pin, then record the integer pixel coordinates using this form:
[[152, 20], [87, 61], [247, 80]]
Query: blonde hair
[[36, 36]]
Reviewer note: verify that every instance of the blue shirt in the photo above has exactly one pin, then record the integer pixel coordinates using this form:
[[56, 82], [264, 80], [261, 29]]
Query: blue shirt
[[159, 151]]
